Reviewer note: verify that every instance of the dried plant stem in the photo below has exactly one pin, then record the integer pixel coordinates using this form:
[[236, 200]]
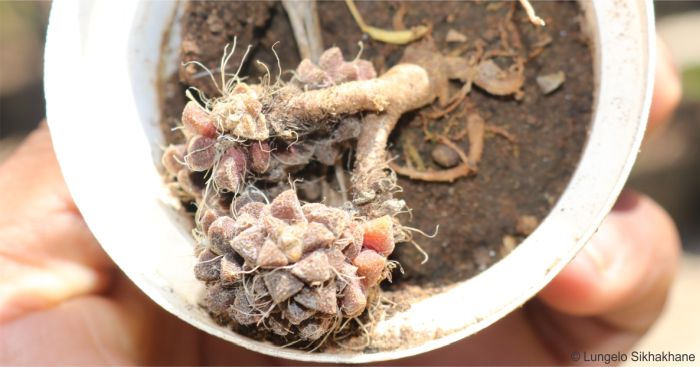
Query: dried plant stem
[[340, 177], [397, 37], [306, 27], [534, 19]]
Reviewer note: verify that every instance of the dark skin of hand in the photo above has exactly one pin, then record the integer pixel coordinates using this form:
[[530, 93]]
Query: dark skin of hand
[[62, 300]]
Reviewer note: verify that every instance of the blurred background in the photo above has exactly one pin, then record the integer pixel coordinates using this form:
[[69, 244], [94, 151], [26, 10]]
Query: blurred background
[[668, 168]]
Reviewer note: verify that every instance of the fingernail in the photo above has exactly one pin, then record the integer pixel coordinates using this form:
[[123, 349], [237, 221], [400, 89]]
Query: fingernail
[[627, 200], [664, 57], [602, 251], [603, 248]]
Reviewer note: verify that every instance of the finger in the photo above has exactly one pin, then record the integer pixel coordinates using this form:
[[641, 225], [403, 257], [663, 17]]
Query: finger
[[511, 341], [123, 328], [47, 253], [667, 88], [623, 274], [40, 338]]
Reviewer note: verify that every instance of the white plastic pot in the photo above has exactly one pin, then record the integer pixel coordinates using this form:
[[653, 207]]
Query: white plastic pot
[[103, 62]]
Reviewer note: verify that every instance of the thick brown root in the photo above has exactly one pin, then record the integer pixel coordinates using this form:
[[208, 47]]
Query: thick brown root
[[389, 91]]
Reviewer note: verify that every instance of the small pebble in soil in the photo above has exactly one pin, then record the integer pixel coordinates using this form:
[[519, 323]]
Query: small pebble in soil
[[508, 244], [444, 156], [482, 258], [548, 83], [455, 36], [526, 224]]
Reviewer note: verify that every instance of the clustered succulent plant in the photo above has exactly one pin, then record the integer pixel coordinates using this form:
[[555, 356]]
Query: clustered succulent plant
[[292, 269], [297, 269], [269, 260]]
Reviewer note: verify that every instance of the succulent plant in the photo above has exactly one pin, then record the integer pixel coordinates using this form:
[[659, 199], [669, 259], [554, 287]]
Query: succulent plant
[[297, 269]]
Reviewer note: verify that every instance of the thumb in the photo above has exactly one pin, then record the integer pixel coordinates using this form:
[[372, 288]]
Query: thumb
[[623, 274], [47, 253]]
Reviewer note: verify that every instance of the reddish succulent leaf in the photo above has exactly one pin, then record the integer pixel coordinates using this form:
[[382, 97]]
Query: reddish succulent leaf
[[219, 298], [174, 158], [197, 121], [254, 209], [220, 233], [348, 272], [230, 171], [336, 259], [365, 69], [243, 222], [336, 220], [201, 152], [313, 269], [281, 285], [379, 235], [370, 266], [259, 153], [208, 266], [248, 243], [188, 183], [321, 299], [271, 256], [273, 226], [316, 236], [354, 236], [331, 59], [231, 269], [246, 197], [354, 299], [206, 218], [296, 314], [309, 73], [287, 206], [242, 311]]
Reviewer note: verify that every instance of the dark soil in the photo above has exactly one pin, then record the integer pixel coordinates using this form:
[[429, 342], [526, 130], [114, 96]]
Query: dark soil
[[477, 215]]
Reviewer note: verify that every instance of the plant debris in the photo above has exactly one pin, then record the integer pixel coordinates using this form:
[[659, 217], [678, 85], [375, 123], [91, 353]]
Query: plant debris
[[397, 37], [534, 19]]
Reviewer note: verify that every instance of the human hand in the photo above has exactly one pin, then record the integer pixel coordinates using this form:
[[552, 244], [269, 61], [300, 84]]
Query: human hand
[[62, 301]]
